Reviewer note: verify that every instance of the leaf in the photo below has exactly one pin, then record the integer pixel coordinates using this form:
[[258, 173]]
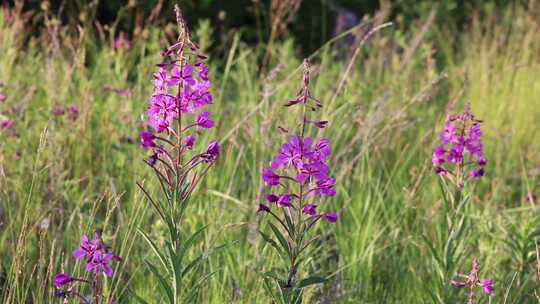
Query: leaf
[[153, 247], [310, 281], [197, 285], [161, 281], [189, 242], [136, 297], [280, 238], [200, 258], [272, 243], [176, 268]]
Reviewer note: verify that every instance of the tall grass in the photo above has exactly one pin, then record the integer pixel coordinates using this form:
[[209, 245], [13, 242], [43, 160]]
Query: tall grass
[[61, 177]]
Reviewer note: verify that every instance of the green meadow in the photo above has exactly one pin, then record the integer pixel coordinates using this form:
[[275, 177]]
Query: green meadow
[[386, 99]]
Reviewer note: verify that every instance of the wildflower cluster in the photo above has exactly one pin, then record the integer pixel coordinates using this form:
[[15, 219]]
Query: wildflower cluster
[[300, 171], [176, 118], [473, 281], [299, 179], [460, 156], [72, 111], [98, 259], [181, 91]]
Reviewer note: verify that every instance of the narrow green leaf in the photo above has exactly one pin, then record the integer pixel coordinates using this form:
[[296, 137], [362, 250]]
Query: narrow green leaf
[[280, 238], [162, 282], [154, 248], [310, 281], [272, 243]]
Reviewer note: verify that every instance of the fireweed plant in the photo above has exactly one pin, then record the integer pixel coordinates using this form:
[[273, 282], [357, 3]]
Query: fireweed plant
[[299, 181], [472, 282], [176, 119], [459, 161], [98, 259]]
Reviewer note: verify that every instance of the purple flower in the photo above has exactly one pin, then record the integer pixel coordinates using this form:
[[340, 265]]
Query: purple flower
[[321, 151], [161, 112], [438, 156], [62, 279], [325, 187], [58, 110], [310, 209], [477, 173], [272, 198], [161, 81], [263, 208], [440, 171], [330, 217], [100, 263], [212, 152], [6, 123], [284, 200], [448, 134], [487, 286], [147, 140], [203, 72], [189, 141], [121, 42], [291, 152], [152, 160], [270, 178], [2, 97], [320, 124], [87, 248], [204, 121], [318, 170], [73, 112], [460, 146]]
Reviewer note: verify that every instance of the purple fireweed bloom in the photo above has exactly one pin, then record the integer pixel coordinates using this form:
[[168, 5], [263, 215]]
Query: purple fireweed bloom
[[58, 110], [189, 141], [438, 156], [62, 279], [161, 112], [270, 178], [272, 198], [263, 208], [87, 247], [473, 281], [320, 151], [301, 171], [203, 72], [290, 153], [100, 263], [487, 286], [310, 209], [204, 121], [121, 42], [284, 200], [320, 124], [161, 81], [147, 140], [6, 123], [212, 152], [152, 160], [73, 112], [330, 217], [324, 187], [477, 173], [185, 74], [459, 154]]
